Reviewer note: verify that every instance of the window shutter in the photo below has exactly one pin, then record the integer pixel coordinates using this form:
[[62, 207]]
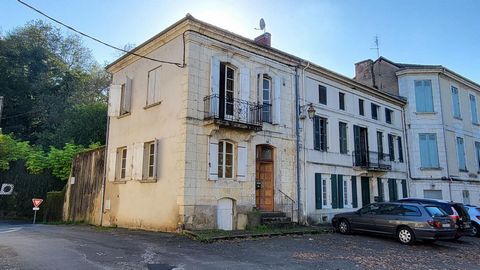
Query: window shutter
[[138, 165], [316, 133], [334, 191], [380, 190], [354, 192], [340, 190], [242, 154], [114, 99], [128, 95], [112, 158], [129, 165], [151, 87], [259, 87], [404, 188], [214, 85], [156, 159], [244, 94], [318, 191], [213, 159], [277, 101]]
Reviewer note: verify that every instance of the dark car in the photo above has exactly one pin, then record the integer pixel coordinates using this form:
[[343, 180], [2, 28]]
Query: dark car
[[406, 221], [455, 210]]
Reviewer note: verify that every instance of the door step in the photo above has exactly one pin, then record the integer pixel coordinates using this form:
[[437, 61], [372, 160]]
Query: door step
[[276, 220]]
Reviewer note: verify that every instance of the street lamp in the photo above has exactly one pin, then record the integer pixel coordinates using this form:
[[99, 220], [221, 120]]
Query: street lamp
[[311, 111]]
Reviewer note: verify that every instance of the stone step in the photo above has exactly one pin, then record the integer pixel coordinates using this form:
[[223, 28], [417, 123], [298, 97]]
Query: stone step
[[276, 219], [273, 214]]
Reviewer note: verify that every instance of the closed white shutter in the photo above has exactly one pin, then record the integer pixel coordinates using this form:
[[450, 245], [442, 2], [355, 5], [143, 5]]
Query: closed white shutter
[[156, 159], [242, 161], [277, 101], [112, 164], [214, 86], [158, 82], [213, 159], [129, 163], [114, 99], [151, 87], [244, 112], [128, 95], [137, 170]]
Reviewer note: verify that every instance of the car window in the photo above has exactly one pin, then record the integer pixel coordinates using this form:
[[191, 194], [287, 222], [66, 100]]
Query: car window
[[371, 209], [460, 209], [408, 210], [435, 211], [389, 209]]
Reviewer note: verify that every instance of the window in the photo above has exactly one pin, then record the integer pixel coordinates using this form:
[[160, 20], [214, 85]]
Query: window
[[473, 109], [126, 97], [341, 101], [388, 115], [361, 109], [462, 166], [150, 160], [324, 192], [345, 192], [320, 133], [153, 89], [375, 108], [391, 147], [455, 103], [400, 149], [432, 194], [389, 209], [322, 94], [121, 163], [337, 191], [424, 96], [227, 89], [380, 145], [428, 150], [477, 151], [225, 159], [409, 210], [267, 99], [342, 131], [371, 209], [435, 211]]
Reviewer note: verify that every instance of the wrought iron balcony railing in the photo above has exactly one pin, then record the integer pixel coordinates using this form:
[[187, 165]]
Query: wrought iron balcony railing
[[373, 161], [233, 112]]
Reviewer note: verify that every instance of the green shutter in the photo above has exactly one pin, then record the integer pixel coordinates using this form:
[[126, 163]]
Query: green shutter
[[404, 189], [334, 191], [380, 189], [354, 192], [340, 190], [318, 191], [392, 189]]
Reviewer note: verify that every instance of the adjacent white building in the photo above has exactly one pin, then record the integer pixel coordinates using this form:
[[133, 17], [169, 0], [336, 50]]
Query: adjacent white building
[[442, 126]]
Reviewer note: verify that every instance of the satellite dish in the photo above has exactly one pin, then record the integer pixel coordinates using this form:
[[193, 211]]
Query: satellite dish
[[262, 24]]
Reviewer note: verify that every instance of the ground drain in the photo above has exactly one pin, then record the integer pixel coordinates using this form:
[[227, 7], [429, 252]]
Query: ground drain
[[160, 266]]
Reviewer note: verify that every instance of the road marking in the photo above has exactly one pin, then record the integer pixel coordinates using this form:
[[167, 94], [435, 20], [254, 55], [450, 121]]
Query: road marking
[[11, 230]]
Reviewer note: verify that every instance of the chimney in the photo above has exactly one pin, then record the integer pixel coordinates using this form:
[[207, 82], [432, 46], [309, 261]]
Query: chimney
[[364, 73], [264, 39]]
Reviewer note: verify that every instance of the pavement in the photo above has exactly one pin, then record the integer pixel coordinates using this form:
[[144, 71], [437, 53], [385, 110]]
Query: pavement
[[26, 246]]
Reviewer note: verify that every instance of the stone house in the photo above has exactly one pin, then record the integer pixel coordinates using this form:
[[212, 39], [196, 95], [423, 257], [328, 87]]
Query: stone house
[[442, 126]]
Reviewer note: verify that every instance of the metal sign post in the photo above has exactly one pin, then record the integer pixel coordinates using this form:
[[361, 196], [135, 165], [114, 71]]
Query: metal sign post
[[36, 204]]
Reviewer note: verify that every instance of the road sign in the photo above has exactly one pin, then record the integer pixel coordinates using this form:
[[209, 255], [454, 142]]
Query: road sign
[[37, 202], [36, 208]]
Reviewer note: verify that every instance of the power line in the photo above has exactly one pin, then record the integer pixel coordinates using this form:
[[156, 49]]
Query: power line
[[98, 40]]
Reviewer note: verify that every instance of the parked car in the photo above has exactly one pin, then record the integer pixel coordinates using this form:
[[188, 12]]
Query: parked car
[[406, 221], [474, 213], [455, 210]]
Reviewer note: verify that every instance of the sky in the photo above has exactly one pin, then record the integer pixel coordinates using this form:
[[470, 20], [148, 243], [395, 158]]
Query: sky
[[332, 33]]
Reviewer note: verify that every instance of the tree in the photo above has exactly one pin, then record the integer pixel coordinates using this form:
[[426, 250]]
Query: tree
[[44, 74]]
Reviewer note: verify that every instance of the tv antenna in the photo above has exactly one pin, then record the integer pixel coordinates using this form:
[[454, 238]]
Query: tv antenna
[[261, 24], [377, 46]]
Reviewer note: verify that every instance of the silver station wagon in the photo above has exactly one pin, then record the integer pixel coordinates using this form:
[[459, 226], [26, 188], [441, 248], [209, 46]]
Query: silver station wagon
[[406, 221]]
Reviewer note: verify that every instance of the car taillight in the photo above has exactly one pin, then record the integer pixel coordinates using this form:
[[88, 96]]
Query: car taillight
[[434, 223], [454, 217]]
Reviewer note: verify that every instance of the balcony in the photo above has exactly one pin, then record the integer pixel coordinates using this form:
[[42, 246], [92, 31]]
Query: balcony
[[371, 161], [233, 112]]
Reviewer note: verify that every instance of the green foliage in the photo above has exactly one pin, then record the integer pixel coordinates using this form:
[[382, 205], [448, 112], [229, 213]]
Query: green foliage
[[60, 160], [11, 150]]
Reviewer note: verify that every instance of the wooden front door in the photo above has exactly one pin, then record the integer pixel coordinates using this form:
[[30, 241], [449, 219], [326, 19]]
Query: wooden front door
[[264, 186]]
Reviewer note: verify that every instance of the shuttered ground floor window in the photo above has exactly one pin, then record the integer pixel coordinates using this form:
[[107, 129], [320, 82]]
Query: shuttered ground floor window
[[341, 196]]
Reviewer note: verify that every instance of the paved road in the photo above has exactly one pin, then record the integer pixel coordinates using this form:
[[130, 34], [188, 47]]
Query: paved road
[[25, 246]]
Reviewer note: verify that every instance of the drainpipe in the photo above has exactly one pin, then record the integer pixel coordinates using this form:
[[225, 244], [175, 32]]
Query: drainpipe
[[444, 139], [303, 95], [104, 180], [297, 136]]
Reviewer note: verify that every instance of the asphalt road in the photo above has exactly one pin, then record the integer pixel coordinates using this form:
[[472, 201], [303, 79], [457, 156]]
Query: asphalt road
[[25, 246]]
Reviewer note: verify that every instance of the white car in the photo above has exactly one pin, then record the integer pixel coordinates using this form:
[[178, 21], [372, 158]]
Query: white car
[[474, 213]]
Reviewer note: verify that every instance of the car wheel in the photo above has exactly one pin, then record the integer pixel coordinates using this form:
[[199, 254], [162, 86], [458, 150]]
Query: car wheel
[[475, 230], [405, 236], [343, 226]]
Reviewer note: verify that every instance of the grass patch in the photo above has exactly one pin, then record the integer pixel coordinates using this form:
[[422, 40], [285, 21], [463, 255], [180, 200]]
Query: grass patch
[[259, 231], [61, 222]]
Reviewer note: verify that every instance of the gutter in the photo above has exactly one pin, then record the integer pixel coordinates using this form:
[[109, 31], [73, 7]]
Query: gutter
[[105, 165], [297, 135]]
